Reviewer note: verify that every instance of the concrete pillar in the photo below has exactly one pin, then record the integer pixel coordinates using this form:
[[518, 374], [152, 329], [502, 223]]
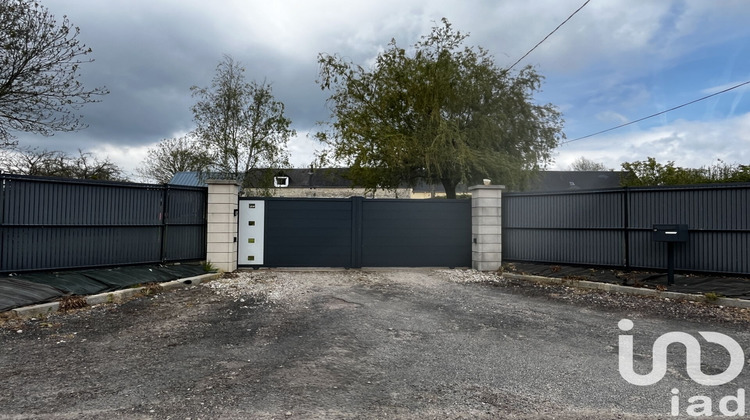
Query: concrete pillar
[[486, 227], [223, 202]]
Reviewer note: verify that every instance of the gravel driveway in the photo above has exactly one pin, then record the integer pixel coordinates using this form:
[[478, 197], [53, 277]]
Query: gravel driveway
[[365, 344]]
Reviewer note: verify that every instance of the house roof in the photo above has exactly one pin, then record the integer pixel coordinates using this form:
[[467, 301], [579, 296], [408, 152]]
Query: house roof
[[298, 178], [338, 178], [190, 179], [575, 180]]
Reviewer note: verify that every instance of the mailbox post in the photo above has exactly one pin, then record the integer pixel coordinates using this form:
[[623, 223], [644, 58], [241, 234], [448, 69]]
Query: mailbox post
[[670, 234]]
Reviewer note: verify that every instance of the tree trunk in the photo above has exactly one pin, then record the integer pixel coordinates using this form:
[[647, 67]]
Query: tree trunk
[[450, 188]]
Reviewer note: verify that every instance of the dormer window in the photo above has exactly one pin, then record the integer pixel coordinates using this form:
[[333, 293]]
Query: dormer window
[[281, 181]]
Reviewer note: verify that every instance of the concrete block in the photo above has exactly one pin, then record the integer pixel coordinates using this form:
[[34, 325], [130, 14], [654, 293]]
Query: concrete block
[[486, 191], [486, 202], [221, 247], [222, 228], [486, 239], [226, 266], [485, 266], [36, 310], [488, 229], [221, 218], [221, 208], [490, 256], [489, 249], [486, 211], [220, 237], [222, 186], [222, 198]]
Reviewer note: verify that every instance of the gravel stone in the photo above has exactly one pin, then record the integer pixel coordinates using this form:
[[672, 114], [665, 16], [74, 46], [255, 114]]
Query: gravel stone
[[322, 344]]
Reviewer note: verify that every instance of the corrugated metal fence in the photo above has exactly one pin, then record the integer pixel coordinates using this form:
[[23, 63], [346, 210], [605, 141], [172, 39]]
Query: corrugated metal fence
[[614, 227], [48, 223]]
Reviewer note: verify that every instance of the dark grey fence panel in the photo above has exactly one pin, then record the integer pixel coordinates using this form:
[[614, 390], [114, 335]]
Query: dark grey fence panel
[[48, 223], [416, 233], [580, 228], [613, 227], [185, 224], [564, 246], [308, 233], [718, 222]]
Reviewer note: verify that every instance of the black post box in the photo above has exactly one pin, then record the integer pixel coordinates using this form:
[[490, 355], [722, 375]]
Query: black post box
[[670, 233]]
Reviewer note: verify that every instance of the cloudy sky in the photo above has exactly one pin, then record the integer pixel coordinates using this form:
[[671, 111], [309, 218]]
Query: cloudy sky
[[614, 62]]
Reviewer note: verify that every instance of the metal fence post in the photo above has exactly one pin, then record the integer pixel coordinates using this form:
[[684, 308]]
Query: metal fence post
[[2, 221], [357, 204], [626, 225], [164, 215]]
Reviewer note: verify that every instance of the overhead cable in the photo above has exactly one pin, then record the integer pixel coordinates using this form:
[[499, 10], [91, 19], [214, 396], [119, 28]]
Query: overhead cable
[[550, 34], [660, 113]]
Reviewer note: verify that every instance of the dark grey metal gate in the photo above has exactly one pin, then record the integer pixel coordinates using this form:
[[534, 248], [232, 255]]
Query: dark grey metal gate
[[358, 232]]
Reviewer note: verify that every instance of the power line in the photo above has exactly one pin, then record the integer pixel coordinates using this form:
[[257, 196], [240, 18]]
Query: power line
[[659, 113], [550, 34]]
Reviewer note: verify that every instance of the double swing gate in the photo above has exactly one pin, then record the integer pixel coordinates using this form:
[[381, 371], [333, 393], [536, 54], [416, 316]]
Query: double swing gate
[[354, 232]]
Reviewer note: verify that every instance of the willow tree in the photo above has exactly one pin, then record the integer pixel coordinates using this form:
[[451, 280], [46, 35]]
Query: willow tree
[[441, 112]]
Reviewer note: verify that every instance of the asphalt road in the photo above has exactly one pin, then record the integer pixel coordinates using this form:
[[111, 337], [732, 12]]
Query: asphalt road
[[384, 344]]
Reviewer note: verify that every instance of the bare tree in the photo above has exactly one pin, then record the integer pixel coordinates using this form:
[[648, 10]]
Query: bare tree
[[41, 162], [88, 166], [39, 64], [171, 156], [33, 161]]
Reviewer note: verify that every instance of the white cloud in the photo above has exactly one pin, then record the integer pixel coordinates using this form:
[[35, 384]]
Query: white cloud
[[609, 64], [303, 149], [612, 116], [688, 143], [716, 89], [128, 158]]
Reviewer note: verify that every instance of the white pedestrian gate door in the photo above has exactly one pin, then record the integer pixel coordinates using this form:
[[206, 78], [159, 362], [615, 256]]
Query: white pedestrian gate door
[[251, 231]]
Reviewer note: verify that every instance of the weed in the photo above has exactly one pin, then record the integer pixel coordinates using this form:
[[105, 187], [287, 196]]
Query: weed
[[576, 278], [68, 303], [208, 267], [508, 267], [151, 289], [555, 268], [711, 296]]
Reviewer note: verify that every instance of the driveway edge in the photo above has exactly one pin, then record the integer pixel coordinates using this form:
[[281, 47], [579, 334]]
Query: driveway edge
[[640, 291], [110, 297]]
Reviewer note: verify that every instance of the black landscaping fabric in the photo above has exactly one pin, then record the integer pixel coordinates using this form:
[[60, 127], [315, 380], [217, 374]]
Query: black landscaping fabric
[[32, 288], [184, 270], [725, 286], [123, 277], [74, 283], [15, 293]]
